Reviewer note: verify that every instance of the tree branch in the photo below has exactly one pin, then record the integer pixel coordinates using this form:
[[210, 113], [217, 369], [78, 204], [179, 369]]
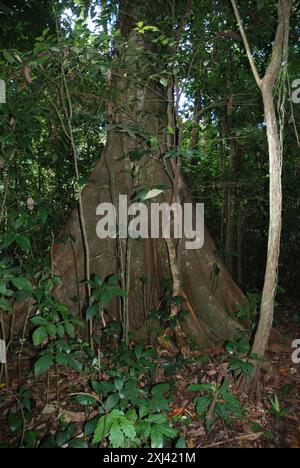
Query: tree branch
[[284, 12], [246, 43]]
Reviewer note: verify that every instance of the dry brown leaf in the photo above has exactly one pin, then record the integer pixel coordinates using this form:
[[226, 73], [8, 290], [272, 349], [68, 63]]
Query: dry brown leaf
[[73, 417], [191, 444], [27, 74]]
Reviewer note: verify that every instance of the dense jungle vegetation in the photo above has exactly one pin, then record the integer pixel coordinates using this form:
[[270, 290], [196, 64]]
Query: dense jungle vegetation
[[131, 342]]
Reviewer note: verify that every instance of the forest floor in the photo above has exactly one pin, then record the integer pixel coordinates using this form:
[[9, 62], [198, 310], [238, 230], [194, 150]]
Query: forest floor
[[52, 400]]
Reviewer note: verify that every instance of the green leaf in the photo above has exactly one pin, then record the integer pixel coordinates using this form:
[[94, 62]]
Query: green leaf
[[144, 430], [49, 443], [74, 364], [61, 359], [202, 387], [159, 403], [138, 351], [244, 346], [8, 57], [116, 436], [70, 330], [15, 421], [151, 28], [85, 400], [98, 280], [63, 437], [68, 360], [143, 411], [43, 365], [38, 320], [235, 364], [203, 403], [60, 331], [248, 368], [90, 427], [181, 443], [158, 419], [22, 296], [127, 427], [102, 388], [132, 415], [160, 389], [222, 411], [43, 214], [104, 424], [78, 444], [106, 297], [119, 384], [23, 242], [111, 401], [168, 432], [3, 288], [5, 305], [173, 323], [8, 239], [22, 283], [116, 291], [164, 82], [92, 311], [51, 330], [156, 436], [30, 439], [39, 336], [102, 429]]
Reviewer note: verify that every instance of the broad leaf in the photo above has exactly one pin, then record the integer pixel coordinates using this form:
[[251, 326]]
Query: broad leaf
[[43, 364], [39, 336], [22, 283]]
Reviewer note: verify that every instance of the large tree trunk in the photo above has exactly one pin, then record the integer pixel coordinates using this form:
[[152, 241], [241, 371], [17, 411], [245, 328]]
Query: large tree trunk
[[138, 111]]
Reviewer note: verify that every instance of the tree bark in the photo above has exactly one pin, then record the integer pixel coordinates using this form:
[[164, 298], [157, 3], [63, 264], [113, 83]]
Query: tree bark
[[140, 106], [275, 223], [266, 85]]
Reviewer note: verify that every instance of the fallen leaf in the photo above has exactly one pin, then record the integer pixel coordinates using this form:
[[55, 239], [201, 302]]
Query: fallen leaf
[[191, 444], [49, 409], [177, 412], [73, 416], [27, 74]]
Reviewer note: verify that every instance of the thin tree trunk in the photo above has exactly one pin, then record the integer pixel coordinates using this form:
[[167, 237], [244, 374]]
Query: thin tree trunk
[[239, 213], [239, 237], [223, 160], [266, 85], [229, 191], [229, 257], [271, 275]]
